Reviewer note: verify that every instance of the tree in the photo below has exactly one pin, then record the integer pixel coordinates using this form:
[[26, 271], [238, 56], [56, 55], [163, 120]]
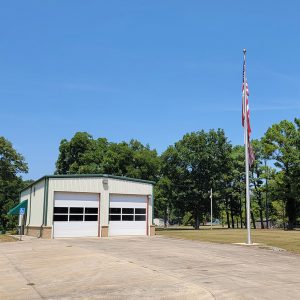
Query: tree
[[194, 165], [71, 153], [163, 194], [281, 143], [256, 178], [84, 155], [11, 164], [234, 186]]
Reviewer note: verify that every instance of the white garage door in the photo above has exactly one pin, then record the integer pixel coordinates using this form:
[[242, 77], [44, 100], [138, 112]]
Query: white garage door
[[76, 214], [127, 215]]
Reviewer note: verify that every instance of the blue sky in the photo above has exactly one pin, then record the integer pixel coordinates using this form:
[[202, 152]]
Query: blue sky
[[149, 70]]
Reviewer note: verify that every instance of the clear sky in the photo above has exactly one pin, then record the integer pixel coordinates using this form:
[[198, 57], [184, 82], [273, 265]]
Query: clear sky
[[149, 70]]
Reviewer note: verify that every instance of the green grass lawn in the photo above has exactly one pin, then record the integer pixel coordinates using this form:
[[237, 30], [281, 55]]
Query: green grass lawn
[[6, 238], [288, 240]]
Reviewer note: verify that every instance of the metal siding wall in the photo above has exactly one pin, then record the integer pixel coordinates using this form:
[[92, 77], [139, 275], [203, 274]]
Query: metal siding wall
[[95, 185], [25, 195], [37, 204]]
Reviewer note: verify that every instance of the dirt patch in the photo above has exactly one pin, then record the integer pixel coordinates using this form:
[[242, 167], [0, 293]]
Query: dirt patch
[[7, 238]]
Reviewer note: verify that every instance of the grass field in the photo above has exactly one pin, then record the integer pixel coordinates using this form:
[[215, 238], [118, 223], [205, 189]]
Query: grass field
[[288, 240], [6, 238]]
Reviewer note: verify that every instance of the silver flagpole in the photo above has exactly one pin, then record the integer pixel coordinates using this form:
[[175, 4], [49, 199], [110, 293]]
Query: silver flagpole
[[249, 242]]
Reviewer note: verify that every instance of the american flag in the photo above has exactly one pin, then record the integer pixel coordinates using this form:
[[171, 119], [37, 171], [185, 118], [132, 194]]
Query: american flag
[[246, 112]]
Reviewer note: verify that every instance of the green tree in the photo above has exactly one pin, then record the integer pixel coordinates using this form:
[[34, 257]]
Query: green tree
[[257, 180], [11, 165], [194, 165], [164, 193], [71, 153], [281, 145], [84, 155]]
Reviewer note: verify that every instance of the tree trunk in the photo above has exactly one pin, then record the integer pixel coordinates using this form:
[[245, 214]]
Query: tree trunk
[[197, 221], [253, 220], [261, 211], [241, 212], [291, 213], [232, 220], [231, 213], [165, 218], [290, 206], [227, 215]]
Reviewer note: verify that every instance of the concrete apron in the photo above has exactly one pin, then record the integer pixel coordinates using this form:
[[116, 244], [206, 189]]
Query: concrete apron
[[50, 269]]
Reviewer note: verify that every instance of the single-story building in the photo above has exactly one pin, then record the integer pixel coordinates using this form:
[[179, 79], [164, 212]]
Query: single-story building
[[97, 205]]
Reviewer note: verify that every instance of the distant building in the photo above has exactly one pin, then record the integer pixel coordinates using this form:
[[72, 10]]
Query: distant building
[[159, 222]]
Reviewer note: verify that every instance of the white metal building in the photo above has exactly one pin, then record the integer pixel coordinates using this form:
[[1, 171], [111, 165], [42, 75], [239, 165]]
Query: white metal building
[[88, 205]]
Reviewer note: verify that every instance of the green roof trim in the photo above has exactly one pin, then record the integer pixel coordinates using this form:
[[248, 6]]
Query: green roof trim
[[90, 176], [16, 210]]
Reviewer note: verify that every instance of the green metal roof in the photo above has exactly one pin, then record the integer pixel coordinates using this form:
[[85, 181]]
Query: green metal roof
[[16, 210], [90, 176]]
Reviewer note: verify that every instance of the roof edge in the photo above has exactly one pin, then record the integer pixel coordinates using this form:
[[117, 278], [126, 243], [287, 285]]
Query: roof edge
[[89, 176]]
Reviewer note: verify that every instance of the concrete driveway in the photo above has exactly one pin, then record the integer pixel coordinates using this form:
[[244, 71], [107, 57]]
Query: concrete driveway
[[144, 268]]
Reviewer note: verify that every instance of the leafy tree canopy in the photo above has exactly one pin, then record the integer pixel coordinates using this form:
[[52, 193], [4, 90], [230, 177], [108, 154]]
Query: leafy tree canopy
[[11, 165]]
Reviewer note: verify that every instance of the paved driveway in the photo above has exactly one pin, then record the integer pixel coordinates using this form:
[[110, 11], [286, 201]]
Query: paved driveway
[[143, 268]]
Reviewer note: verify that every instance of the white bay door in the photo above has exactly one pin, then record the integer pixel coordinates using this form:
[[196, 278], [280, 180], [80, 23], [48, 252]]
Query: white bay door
[[75, 214], [127, 215]]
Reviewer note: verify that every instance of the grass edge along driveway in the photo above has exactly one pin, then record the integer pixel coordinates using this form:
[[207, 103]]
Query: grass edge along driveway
[[288, 240], [7, 238]]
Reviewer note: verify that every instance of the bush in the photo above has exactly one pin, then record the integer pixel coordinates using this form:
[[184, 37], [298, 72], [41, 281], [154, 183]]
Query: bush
[[188, 219]]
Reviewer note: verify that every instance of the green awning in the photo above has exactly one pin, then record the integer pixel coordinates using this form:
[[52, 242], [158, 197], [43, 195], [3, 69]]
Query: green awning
[[16, 210]]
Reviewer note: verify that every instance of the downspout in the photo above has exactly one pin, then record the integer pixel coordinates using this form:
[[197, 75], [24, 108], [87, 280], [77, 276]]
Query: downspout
[[44, 206], [29, 215], [152, 206]]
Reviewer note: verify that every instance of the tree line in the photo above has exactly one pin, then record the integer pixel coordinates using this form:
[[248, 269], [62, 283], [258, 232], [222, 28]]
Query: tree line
[[184, 174]]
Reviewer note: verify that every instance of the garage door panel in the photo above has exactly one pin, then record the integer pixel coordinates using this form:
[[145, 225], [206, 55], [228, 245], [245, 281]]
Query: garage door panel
[[127, 198], [75, 214], [76, 196], [127, 215], [76, 203], [128, 204], [128, 228], [75, 229]]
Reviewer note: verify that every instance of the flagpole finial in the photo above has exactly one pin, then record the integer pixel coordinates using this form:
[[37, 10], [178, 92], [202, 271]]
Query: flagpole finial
[[244, 50]]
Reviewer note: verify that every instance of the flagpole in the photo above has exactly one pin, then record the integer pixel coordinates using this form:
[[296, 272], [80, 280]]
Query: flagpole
[[249, 242]]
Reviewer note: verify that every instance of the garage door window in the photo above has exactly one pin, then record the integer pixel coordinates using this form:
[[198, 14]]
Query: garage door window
[[114, 217], [140, 218], [91, 214], [127, 217], [75, 214], [140, 214], [60, 218], [61, 214], [76, 210], [127, 214]]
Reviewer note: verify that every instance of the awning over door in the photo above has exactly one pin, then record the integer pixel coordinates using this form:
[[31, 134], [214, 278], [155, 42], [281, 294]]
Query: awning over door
[[16, 210]]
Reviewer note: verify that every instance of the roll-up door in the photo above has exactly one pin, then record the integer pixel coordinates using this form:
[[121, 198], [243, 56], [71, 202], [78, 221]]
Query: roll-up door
[[127, 215], [75, 214]]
